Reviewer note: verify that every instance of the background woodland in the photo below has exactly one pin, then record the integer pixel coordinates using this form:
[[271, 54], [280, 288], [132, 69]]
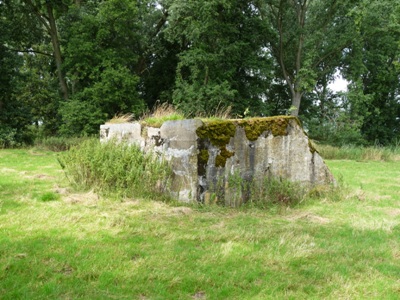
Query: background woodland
[[68, 66]]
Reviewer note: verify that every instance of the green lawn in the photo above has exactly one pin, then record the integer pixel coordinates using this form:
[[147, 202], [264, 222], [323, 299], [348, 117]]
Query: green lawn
[[58, 244]]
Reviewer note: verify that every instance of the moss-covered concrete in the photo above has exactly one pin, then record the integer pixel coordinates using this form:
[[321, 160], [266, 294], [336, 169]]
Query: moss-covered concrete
[[202, 161], [218, 132], [256, 126], [223, 155], [205, 153]]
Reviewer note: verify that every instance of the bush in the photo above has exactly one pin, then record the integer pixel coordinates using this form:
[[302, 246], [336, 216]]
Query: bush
[[116, 168], [8, 138]]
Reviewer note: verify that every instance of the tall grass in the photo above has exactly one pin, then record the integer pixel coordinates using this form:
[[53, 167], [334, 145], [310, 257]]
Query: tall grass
[[374, 153], [117, 168], [267, 192]]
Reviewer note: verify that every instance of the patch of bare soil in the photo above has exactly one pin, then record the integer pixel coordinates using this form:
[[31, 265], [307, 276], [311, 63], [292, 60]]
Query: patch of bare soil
[[36, 176]]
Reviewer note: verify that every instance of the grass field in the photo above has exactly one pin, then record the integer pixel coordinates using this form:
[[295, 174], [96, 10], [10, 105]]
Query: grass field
[[59, 244]]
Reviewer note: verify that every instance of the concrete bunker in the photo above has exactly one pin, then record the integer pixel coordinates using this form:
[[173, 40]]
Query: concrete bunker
[[205, 154]]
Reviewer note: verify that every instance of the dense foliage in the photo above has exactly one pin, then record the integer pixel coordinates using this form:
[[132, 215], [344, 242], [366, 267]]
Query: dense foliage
[[68, 66]]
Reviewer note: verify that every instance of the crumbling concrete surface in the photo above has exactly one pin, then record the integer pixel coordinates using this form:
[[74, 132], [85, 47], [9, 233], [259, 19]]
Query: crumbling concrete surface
[[204, 155]]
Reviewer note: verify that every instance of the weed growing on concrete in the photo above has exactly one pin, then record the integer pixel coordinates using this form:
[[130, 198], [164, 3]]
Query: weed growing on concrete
[[160, 114], [261, 192], [113, 167]]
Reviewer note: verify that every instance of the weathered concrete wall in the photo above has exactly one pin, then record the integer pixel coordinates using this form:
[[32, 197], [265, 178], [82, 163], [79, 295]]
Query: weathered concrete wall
[[205, 155]]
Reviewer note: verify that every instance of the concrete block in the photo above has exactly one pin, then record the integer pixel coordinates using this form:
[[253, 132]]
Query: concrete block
[[206, 156]]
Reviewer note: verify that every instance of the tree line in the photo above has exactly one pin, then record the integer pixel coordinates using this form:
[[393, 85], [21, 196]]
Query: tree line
[[66, 66]]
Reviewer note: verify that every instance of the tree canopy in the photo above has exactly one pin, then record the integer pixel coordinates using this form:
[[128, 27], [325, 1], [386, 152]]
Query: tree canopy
[[68, 66]]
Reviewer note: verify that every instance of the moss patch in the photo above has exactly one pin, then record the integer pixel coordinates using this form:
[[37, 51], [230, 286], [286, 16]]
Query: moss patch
[[218, 132], [223, 155], [256, 126], [203, 156], [202, 160]]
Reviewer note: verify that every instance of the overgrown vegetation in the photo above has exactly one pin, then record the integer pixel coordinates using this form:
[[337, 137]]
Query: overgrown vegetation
[[116, 168]]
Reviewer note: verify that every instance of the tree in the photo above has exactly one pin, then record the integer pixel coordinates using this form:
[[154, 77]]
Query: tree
[[14, 115], [306, 39], [373, 67], [39, 92], [221, 63], [44, 12], [101, 46]]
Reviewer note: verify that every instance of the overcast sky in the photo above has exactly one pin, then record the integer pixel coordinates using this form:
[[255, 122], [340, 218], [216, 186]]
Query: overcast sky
[[340, 84]]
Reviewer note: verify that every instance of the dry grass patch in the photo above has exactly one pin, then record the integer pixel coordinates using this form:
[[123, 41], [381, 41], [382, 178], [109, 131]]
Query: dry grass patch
[[393, 212], [121, 118], [88, 199], [308, 217]]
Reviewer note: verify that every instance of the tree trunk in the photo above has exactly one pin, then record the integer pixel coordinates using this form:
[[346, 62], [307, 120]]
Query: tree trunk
[[296, 100], [57, 50]]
